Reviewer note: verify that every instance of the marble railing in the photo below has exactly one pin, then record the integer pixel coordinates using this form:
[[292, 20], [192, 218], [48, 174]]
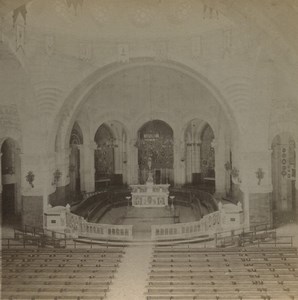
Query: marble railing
[[61, 219], [207, 225], [227, 217], [80, 227], [119, 232]]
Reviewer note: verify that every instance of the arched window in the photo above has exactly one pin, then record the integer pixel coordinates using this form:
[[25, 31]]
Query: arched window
[[104, 154], [76, 139], [155, 143]]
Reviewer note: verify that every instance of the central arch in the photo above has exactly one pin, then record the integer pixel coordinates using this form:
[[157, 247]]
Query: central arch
[[155, 144], [78, 97]]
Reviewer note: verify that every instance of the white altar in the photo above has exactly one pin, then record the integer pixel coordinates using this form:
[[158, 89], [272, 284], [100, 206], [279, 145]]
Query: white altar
[[150, 195]]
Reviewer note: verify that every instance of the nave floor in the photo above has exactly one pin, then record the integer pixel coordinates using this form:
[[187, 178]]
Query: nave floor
[[132, 274]]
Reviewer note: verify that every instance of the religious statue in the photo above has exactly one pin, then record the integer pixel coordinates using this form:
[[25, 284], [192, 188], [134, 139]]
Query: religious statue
[[150, 177], [149, 163]]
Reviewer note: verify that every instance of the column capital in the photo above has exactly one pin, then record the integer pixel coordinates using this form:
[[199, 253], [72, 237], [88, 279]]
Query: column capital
[[92, 145]]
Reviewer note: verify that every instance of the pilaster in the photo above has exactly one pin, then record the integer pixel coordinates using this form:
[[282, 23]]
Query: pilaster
[[219, 153], [179, 163], [87, 169], [132, 162]]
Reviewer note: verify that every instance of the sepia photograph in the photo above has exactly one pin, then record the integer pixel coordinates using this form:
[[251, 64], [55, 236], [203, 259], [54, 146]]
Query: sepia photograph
[[149, 149]]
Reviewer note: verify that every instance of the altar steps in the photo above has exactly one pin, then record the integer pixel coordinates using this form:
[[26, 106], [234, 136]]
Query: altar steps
[[203, 239]]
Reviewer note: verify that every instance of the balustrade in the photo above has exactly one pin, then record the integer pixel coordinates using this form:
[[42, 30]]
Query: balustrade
[[78, 226], [228, 217], [207, 225]]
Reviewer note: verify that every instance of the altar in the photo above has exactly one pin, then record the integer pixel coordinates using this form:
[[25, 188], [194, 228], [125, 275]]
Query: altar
[[149, 195]]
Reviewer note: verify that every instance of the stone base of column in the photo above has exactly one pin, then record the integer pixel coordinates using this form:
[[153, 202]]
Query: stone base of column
[[260, 208], [32, 211]]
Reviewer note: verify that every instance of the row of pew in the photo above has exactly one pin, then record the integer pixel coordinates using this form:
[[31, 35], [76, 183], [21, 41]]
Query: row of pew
[[49, 273], [233, 273]]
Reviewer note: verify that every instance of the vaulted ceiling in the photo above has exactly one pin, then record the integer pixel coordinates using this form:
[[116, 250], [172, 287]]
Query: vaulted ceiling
[[7, 6], [155, 18]]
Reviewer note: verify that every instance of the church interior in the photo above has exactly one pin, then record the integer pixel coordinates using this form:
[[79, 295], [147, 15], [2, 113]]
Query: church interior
[[148, 149]]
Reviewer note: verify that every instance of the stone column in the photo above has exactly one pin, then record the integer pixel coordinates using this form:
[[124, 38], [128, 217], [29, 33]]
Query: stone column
[[197, 156], [62, 164], [87, 167], [188, 162], [124, 161], [192, 158], [219, 152], [132, 162], [62, 193], [18, 180], [117, 158], [178, 166]]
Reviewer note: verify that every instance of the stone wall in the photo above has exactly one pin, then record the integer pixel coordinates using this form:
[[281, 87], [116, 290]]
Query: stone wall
[[32, 211], [260, 208]]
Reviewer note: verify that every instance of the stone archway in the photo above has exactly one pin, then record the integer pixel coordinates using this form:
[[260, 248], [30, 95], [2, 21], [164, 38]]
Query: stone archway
[[155, 143], [104, 154], [110, 155], [159, 81], [78, 97], [199, 154]]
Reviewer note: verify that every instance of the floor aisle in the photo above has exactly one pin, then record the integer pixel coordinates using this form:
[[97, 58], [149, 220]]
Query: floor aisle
[[130, 280]]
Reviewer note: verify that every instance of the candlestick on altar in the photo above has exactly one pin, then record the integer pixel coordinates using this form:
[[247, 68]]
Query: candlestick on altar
[[127, 198]]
